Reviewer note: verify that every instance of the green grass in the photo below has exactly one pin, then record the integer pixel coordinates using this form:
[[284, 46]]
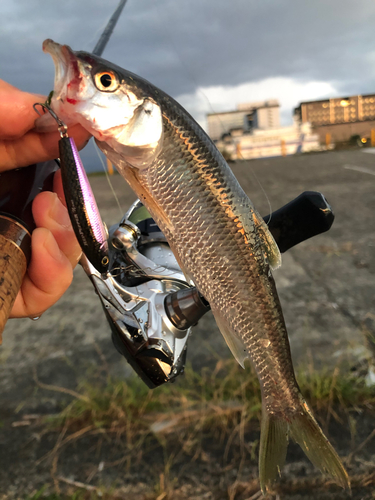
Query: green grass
[[220, 404], [335, 388], [122, 406], [77, 495], [40, 495], [213, 399]]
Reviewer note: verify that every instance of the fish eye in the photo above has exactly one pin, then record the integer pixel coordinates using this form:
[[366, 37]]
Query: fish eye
[[106, 81]]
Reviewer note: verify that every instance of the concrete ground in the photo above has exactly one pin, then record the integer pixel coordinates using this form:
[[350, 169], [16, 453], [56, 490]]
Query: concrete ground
[[326, 286]]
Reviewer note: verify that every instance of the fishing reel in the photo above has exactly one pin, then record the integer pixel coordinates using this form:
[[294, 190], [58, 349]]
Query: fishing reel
[[148, 303], [146, 298]]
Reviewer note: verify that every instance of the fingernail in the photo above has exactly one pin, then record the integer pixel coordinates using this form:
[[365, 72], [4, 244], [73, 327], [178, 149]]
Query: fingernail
[[59, 213]]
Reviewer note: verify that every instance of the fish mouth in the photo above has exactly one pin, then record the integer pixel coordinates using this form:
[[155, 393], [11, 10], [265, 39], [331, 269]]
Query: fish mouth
[[67, 72]]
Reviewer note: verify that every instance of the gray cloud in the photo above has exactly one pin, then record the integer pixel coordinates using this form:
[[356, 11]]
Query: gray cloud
[[181, 45]]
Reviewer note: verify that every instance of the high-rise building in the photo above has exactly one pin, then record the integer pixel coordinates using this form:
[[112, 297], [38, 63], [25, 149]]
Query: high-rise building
[[341, 117]]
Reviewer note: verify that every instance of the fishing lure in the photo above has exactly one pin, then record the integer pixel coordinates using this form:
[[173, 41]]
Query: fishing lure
[[83, 210]]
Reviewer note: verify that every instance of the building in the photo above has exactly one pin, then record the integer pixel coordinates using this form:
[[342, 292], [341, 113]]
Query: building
[[253, 131], [281, 141], [339, 118], [248, 116]]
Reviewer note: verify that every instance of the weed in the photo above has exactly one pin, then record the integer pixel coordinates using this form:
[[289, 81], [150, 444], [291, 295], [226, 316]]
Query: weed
[[340, 389], [177, 419], [39, 495], [214, 400], [204, 399]]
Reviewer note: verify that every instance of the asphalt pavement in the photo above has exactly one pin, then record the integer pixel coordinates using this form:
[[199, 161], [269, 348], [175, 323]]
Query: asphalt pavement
[[326, 284]]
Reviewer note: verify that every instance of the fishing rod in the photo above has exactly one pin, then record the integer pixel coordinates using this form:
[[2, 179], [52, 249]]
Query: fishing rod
[[16, 220], [108, 30]]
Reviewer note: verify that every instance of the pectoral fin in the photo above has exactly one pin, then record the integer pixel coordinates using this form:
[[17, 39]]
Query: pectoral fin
[[270, 245]]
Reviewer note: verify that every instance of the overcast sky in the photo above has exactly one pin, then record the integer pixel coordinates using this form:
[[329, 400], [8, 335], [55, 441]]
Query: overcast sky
[[208, 54]]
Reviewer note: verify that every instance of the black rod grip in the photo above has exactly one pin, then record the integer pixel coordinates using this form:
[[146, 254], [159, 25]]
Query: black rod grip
[[304, 217]]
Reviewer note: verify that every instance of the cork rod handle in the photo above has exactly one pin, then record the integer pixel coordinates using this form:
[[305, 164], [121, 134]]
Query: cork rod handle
[[15, 248]]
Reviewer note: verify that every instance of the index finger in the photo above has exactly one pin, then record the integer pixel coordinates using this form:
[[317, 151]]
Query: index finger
[[20, 143], [17, 107]]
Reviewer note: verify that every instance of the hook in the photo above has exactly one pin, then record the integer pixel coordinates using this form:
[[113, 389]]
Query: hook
[[62, 128]]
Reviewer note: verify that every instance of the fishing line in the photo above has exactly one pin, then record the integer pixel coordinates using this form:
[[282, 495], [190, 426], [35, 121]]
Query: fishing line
[[170, 40], [93, 39], [108, 179]]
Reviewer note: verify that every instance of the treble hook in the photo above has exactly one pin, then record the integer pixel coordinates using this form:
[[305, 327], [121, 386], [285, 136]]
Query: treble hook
[[62, 128]]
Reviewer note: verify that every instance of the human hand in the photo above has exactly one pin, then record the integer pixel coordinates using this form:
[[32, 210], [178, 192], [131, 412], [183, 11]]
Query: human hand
[[55, 250]]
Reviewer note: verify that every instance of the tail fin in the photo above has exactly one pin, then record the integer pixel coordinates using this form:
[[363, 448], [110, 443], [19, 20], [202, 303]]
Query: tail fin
[[304, 429], [272, 451], [306, 432]]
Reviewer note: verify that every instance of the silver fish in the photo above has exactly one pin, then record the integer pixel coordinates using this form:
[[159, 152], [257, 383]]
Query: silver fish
[[218, 238]]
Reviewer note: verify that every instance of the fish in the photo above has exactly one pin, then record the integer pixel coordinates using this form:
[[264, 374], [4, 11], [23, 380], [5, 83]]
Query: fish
[[219, 239]]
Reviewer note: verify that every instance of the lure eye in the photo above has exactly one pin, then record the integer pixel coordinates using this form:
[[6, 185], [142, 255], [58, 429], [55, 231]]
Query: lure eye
[[106, 81]]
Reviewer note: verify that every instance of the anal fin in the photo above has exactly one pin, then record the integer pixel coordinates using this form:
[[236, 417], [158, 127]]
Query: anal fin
[[235, 344]]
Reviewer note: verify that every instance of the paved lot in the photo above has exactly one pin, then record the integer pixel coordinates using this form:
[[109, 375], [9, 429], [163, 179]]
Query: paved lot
[[326, 285]]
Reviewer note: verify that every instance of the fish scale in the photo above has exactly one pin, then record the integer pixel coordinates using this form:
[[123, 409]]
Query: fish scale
[[209, 242], [220, 241]]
